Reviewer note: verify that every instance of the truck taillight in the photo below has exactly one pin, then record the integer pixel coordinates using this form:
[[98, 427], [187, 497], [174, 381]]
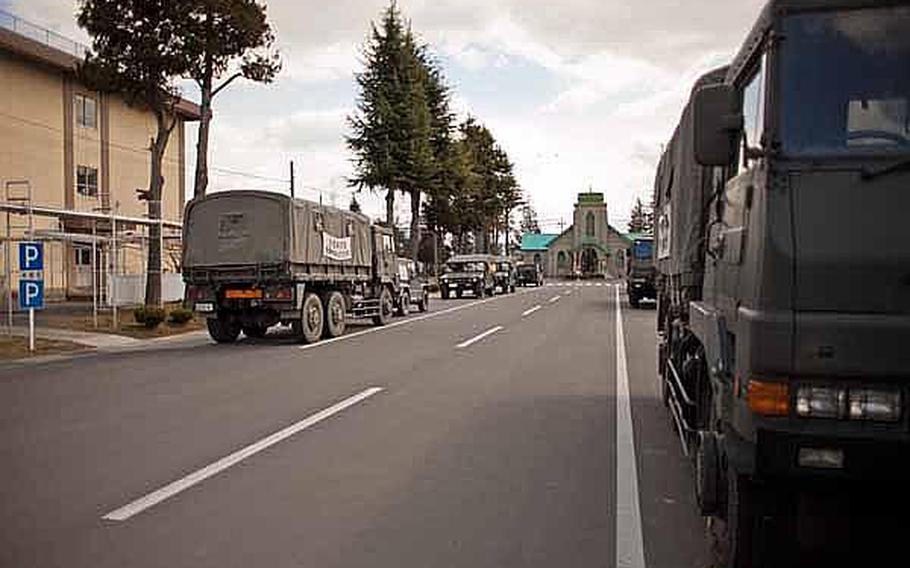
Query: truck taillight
[[279, 293]]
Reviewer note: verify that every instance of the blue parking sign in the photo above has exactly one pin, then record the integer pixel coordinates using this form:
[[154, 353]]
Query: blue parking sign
[[31, 257], [31, 294]]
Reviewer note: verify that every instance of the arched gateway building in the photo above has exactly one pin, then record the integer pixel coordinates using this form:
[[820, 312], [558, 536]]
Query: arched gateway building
[[590, 248]]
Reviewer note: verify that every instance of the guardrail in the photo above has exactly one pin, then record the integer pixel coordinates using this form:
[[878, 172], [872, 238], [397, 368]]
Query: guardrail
[[42, 35]]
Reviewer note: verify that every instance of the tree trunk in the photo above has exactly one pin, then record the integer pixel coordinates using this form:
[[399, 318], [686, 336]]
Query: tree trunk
[[415, 224], [202, 141], [156, 184], [390, 208]]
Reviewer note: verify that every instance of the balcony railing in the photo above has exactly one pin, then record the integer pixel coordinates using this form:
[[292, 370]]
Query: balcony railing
[[42, 35]]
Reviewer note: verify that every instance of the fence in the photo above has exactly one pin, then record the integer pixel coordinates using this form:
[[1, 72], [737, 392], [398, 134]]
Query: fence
[[129, 289]]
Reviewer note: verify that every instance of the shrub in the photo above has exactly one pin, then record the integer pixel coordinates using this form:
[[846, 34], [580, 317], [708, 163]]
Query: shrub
[[179, 316], [149, 316]]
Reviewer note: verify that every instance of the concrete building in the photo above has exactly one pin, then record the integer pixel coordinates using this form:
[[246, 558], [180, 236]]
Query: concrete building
[[66, 148], [590, 248]]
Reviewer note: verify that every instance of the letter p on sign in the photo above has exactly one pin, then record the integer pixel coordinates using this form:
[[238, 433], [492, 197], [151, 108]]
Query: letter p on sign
[[31, 257]]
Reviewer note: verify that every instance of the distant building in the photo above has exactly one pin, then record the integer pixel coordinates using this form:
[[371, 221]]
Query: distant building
[[590, 248], [66, 148]]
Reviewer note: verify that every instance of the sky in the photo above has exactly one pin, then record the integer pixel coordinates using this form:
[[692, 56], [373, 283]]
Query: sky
[[580, 93]]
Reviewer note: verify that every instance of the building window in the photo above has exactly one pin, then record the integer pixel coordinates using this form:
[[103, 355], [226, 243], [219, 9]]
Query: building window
[[87, 181], [83, 256], [590, 224], [562, 260], [86, 111]]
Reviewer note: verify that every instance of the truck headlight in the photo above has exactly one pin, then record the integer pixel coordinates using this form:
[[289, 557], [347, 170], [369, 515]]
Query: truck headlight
[[875, 404], [821, 401]]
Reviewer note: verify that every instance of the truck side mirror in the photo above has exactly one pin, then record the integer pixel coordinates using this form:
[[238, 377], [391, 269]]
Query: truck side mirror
[[718, 122]]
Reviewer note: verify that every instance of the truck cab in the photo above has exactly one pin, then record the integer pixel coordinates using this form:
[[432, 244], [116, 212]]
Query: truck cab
[[640, 271], [468, 273], [787, 362]]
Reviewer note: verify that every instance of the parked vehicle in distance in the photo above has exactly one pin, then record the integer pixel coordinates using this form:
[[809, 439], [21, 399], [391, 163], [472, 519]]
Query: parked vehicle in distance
[[640, 271], [252, 259], [504, 275], [528, 275], [413, 288], [784, 315], [468, 273]]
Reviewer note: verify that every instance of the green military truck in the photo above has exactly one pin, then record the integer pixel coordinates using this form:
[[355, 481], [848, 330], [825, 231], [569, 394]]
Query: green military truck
[[504, 275], [252, 259], [640, 271], [783, 261], [472, 273]]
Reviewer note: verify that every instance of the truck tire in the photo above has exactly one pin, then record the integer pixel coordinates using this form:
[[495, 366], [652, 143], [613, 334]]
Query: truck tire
[[334, 315], [311, 319], [444, 293], [732, 538], [223, 330], [634, 301], [386, 308], [707, 473], [459, 293], [255, 331], [424, 303]]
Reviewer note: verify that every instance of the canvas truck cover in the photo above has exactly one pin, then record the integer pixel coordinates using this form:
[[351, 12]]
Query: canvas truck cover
[[242, 228], [682, 192]]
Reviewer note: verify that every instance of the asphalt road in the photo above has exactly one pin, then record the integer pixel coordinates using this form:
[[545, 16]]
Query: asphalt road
[[486, 433]]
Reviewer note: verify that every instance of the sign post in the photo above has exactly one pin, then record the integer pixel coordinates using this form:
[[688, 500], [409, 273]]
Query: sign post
[[31, 284]]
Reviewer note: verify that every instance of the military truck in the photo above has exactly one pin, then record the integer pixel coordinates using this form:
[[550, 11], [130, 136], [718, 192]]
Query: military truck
[[252, 259], [413, 289], [528, 275], [504, 275], [640, 271], [783, 262], [468, 273]]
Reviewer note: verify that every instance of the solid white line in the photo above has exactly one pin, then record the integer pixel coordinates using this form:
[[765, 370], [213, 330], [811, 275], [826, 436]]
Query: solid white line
[[477, 338], [629, 547], [554, 299], [416, 319], [184, 483], [530, 311]]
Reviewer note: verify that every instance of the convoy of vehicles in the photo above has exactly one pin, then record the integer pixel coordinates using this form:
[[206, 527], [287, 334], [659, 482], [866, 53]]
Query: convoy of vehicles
[[640, 271], [528, 275], [504, 275], [782, 258], [472, 273], [253, 259]]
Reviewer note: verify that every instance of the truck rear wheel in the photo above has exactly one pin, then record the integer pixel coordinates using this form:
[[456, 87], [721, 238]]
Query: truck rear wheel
[[444, 293], [386, 308], [311, 319], [223, 330], [334, 315]]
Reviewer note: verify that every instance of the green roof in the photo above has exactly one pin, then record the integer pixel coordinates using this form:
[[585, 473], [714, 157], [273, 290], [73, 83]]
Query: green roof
[[536, 241]]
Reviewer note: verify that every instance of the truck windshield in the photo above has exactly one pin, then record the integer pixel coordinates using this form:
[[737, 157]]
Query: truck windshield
[[465, 267], [845, 87], [642, 250]]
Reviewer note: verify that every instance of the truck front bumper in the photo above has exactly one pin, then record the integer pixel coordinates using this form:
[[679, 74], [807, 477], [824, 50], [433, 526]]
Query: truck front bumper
[[783, 454]]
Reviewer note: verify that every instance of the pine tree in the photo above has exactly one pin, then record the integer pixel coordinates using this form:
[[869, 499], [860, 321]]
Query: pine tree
[[637, 223]]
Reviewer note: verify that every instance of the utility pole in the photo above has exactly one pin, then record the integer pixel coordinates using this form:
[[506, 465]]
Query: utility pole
[[292, 179]]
